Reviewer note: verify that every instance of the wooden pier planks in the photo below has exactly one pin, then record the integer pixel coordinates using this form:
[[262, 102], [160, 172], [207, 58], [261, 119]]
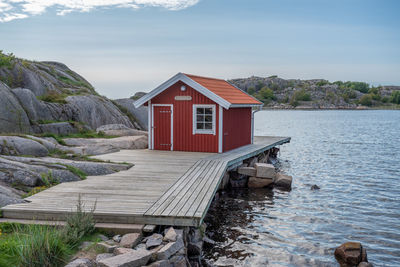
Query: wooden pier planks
[[164, 187]]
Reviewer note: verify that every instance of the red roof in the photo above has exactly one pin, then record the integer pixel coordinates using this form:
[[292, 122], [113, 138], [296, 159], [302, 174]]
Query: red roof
[[225, 90]]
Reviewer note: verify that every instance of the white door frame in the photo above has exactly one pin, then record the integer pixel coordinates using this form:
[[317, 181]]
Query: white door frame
[[172, 123]]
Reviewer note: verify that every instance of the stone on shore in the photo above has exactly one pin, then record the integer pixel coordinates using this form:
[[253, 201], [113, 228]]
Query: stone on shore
[[130, 240], [117, 238], [248, 171], [107, 248], [170, 249], [131, 259], [104, 256], [154, 240], [365, 264], [283, 181], [350, 254], [255, 182], [119, 251], [81, 263], [264, 170], [163, 263], [170, 235]]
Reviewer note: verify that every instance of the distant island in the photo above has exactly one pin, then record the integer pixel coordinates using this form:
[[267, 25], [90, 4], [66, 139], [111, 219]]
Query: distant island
[[278, 93]]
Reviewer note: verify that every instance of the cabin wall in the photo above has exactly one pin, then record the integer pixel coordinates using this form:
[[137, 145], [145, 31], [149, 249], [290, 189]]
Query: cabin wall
[[237, 128], [183, 138]]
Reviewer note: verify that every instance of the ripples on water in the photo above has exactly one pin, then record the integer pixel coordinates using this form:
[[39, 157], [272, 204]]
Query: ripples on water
[[354, 156]]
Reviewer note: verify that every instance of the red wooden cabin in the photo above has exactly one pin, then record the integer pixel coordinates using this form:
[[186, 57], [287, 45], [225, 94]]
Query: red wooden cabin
[[193, 113]]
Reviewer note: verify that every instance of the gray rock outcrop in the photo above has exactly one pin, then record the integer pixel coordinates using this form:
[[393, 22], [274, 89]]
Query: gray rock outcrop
[[13, 117], [15, 145], [66, 97], [140, 114], [119, 130]]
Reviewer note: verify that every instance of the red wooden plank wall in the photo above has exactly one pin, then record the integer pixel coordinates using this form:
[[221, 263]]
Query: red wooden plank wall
[[237, 128], [184, 140]]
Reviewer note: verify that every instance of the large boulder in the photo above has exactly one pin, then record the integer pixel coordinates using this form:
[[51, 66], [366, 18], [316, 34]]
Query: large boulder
[[119, 130], [15, 145], [264, 170], [35, 109], [60, 128], [9, 195], [141, 114], [13, 118], [255, 182], [350, 254], [96, 111], [132, 259], [283, 181], [124, 142]]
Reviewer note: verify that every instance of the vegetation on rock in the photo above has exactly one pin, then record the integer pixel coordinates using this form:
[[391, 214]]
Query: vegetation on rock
[[276, 92]]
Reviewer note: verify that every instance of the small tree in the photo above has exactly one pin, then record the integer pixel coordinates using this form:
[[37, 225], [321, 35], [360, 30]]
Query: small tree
[[366, 100], [395, 97]]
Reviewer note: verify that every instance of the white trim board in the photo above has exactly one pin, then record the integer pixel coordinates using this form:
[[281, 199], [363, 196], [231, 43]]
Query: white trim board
[[172, 123], [220, 129]]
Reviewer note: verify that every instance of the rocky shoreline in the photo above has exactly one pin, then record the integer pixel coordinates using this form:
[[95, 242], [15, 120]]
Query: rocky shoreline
[[30, 164]]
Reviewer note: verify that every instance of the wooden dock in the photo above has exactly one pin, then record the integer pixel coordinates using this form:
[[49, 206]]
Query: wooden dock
[[163, 188]]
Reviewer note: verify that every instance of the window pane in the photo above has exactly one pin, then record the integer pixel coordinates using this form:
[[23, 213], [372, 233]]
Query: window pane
[[208, 118], [208, 126], [208, 110], [200, 111], [200, 126], [200, 118]]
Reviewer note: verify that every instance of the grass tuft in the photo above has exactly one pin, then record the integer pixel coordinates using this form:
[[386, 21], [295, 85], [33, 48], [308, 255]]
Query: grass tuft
[[45, 246], [53, 96]]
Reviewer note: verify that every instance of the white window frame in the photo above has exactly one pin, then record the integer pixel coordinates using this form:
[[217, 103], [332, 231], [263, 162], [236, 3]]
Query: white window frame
[[204, 131]]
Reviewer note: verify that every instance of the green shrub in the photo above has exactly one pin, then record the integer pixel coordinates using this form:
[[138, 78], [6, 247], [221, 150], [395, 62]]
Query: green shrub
[[53, 97], [366, 100], [251, 91], [322, 83], [6, 60], [395, 97], [300, 95], [79, 224], [266, 94], [385, 99], [359, 86]]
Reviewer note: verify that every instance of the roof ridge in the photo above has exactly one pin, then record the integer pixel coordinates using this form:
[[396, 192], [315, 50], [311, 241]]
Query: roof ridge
[[211, 78]]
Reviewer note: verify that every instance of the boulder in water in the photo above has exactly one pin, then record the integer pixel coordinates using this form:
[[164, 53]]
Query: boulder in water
[[350, 254]]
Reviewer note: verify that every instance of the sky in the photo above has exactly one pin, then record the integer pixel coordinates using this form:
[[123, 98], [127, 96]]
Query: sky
[[126, 46]]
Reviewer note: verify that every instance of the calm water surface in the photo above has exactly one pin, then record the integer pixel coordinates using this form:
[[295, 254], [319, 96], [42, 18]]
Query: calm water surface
[[354, 156]]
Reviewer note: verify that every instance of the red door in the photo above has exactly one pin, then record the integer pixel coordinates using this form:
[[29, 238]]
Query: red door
[[162, 127]]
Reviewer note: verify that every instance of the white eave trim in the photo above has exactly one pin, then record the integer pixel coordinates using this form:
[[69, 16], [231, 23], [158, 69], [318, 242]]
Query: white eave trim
[[245, 105], [182, 77]]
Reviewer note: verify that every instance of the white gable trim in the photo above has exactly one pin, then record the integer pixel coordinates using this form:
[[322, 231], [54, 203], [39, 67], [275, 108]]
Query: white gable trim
[[182, 77]]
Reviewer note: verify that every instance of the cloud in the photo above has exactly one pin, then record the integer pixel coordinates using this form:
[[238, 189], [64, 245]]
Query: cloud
[[19, 9]]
